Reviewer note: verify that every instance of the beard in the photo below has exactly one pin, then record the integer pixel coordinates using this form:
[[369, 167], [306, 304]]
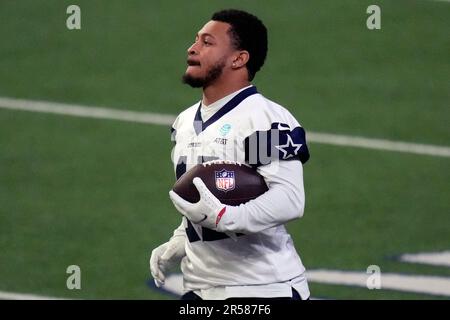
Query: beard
[[201, 82]]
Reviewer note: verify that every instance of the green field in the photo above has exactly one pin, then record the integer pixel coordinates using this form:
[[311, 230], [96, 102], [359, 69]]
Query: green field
[[94, 193]]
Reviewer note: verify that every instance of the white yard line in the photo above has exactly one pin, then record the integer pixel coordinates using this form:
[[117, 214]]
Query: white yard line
[[166, 119], [433, 285], [85, 111], [379, 144], [432, 258], [24, 296]]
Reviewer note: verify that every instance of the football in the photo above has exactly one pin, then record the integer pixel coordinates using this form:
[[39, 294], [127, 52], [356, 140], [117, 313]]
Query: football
[[232, 183]]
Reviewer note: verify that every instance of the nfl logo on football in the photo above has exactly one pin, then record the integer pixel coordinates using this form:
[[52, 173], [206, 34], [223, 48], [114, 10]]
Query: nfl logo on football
[[224, 180]]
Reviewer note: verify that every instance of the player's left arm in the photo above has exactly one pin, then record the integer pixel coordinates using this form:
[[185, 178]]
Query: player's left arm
[[285, 144], [283, 202]]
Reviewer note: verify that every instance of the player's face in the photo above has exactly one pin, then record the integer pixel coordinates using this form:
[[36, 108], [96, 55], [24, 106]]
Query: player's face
[[209, 55]]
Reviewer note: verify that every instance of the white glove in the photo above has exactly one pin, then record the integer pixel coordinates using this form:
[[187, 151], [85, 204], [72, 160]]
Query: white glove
[[165, 257], [207, 212]]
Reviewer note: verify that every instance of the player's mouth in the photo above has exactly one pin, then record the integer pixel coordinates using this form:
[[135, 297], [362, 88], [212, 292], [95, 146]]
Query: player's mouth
[[192, 63]]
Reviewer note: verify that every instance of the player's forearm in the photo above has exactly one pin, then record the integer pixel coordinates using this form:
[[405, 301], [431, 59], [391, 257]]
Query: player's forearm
[[283, 202]]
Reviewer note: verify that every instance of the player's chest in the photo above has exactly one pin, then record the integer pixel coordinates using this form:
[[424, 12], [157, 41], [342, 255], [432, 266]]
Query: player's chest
[[220, 140], [218, 135]]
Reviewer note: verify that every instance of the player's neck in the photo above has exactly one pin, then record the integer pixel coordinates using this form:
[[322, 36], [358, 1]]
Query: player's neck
[[221, 89]]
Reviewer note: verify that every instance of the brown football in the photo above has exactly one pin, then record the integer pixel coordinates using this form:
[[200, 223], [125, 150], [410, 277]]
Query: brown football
[[231, 182]]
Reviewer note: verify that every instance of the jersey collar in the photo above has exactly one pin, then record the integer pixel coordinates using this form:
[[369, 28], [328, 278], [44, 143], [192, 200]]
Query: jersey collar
[[200, 126]]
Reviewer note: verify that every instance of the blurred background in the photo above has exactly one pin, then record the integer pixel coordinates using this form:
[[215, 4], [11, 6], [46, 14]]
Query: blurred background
[[93, 192]]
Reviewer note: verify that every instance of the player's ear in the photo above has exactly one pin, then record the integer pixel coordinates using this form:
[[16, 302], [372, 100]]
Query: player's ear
[[241, 59]]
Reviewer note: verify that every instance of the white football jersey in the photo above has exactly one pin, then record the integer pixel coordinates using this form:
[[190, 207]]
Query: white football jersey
[[248, 129]]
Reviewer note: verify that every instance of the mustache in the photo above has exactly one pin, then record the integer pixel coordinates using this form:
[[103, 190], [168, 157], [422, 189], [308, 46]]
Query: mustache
[[192, 62]]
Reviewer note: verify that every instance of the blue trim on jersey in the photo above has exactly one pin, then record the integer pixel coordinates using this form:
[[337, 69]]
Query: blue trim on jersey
[[200, 126], [277, 143], [207, 234], [191, 233]]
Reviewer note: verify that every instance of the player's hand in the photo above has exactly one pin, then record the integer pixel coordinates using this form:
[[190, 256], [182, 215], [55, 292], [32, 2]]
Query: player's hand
[[166, 256], [207, 212]]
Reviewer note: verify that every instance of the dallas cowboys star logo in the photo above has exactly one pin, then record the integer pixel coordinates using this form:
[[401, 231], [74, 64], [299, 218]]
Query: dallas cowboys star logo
[[289, 149]]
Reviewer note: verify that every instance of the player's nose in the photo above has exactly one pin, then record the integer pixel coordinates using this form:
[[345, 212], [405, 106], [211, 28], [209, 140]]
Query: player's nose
[[192, 50]]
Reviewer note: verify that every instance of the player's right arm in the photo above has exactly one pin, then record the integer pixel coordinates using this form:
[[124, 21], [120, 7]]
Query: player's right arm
[[168, 255]]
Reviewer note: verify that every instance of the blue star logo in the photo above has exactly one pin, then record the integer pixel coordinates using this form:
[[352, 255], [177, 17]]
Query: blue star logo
[[289, 149]]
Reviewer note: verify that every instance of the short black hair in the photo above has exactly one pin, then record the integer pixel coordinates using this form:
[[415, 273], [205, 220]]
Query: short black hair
[[247, 32]]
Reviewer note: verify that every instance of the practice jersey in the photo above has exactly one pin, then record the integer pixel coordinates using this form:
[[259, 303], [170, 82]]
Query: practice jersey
[[253, 130]]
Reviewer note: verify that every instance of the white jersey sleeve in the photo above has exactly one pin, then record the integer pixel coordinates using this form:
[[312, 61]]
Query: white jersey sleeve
[[284, 201]]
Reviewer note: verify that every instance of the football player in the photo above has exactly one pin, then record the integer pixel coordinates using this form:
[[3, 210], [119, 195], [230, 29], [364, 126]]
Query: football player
[[236, 251]]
